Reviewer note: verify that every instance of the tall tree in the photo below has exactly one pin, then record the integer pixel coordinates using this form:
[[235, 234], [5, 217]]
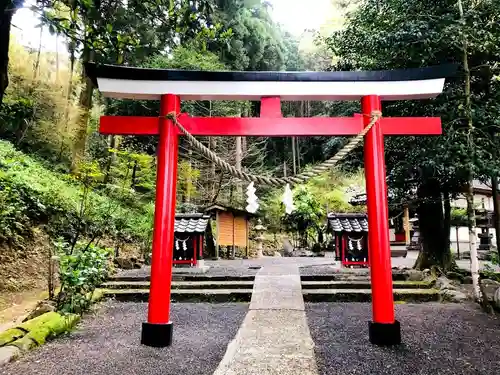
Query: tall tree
[[394, 34], [117, 32], [7, 10]]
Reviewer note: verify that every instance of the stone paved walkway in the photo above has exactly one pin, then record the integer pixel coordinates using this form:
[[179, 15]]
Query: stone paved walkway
[[274, 338]]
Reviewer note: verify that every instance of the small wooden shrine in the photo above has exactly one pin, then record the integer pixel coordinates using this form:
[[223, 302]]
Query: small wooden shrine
[[193, 240], [232, 229], [400, 232], [350, 235]]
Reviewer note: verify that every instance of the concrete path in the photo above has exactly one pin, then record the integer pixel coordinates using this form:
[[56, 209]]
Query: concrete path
[[274, 338]]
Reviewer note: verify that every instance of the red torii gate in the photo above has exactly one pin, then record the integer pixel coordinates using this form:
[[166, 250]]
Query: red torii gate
[[170, 86]]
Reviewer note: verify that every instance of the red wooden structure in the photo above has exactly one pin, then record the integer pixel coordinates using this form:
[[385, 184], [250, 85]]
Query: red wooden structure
[[270, 88], [190, 231], [351, 238]]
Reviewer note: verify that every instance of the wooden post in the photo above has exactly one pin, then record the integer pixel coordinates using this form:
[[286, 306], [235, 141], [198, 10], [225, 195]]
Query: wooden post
[[407, 224], [217, 235], [233, 250], [247, 226]]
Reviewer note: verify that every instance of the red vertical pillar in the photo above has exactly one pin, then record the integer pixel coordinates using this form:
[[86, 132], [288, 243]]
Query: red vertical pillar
[[195, 249], [384, 330], [158, 330], [202, 240]]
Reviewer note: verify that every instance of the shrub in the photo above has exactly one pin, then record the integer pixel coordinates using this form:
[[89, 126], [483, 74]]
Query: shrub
[[81, 271], [32, 194]]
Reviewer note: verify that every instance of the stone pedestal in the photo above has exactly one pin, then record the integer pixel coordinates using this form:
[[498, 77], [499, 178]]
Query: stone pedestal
[[415, 240], [259, 239], [485, 246]]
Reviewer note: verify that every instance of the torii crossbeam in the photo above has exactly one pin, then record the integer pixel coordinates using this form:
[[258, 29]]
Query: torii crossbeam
[[170, 86]]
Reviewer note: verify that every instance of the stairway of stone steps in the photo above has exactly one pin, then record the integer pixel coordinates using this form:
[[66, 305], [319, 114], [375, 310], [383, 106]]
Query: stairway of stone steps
[[341, 287]]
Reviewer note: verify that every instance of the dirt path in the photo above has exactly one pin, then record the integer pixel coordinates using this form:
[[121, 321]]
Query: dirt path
[[15, 305]]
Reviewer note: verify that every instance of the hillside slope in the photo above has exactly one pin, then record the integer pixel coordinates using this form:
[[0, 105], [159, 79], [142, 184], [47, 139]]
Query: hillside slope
[[39, 206]]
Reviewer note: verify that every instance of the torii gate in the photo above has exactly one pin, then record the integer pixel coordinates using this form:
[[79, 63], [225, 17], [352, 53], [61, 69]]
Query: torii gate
[[170, 86]]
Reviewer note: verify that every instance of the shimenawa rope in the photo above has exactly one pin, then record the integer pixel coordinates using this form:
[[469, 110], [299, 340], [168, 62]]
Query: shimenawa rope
[[276, 181]]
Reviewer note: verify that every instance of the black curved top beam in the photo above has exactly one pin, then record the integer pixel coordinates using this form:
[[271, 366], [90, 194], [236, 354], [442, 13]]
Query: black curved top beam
[[131, 73]]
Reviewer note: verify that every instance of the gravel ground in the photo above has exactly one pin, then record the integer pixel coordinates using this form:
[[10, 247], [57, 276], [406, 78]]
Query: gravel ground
[[438, 339], [108, 343]]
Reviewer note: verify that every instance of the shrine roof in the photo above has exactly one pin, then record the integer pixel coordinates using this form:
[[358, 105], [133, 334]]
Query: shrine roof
[[344, 222], [144, 83], [360, 199], [233, 210], [191, 223]]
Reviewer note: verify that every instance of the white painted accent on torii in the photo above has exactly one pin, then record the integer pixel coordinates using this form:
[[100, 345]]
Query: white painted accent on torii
[[255, 90]]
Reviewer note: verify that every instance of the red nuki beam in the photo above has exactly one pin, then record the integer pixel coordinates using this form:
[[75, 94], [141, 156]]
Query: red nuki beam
[[271, 126]]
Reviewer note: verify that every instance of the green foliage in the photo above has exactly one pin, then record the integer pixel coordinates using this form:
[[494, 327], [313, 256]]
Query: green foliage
[[131, 178], [124, 31], [81, 271], [397, 34], [187, 180], [459, 216], [319, 196], [68, 206], [308, 216], [256, 42], [36, 115]]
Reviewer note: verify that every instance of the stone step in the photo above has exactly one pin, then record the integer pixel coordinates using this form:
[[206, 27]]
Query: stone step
[[340, 276], [365, 295], [181, 285], [183, 295], [187, 278], [363, 284]]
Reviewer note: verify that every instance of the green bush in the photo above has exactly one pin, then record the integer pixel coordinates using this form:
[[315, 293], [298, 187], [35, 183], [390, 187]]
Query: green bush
[[81, 271], [31, 194]]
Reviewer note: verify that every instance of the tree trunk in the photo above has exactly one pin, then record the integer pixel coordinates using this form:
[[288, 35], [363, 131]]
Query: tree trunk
[[5, 22], [187, 187], [69, 94], [471, 222], [83, 117], [213, 170], [435, 249], [57, 59], [294, 156], [496, 211], [133, 180], [37, 61], [111, 159], [237, 164], [471, 212], [447, 218]]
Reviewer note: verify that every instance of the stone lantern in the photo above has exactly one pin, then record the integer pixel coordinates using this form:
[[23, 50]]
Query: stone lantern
[[259, 239]]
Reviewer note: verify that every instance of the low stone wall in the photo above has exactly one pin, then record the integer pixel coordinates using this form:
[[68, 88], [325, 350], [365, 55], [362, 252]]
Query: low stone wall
[[33, 333]]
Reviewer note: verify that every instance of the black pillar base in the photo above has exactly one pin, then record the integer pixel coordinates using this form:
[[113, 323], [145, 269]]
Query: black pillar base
[[385, 334], [157, 335]]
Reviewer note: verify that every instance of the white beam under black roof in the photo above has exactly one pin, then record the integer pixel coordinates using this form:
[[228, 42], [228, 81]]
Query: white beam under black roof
[[149, 84]]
